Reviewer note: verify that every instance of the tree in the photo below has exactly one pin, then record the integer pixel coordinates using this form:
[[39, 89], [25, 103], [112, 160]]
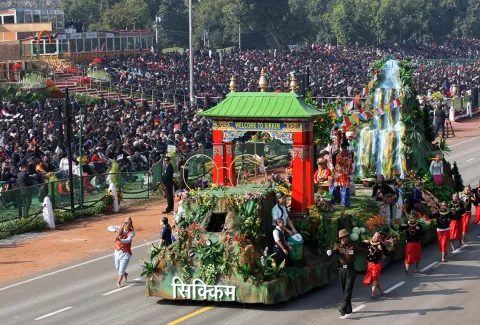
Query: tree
[[341, 22], [428, 127], [173, 28], [87, 11], [130, 14], [457, 178]]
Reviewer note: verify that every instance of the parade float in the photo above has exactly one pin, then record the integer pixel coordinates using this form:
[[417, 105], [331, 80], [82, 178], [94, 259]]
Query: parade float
[[223, 247]]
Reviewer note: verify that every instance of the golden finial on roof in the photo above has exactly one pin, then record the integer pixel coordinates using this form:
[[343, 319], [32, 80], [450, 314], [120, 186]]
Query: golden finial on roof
[[293, 83], [263, 81], [233, 84]]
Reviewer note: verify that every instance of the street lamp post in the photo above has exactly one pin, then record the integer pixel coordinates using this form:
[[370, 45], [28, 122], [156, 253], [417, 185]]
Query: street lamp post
[[191, 50]]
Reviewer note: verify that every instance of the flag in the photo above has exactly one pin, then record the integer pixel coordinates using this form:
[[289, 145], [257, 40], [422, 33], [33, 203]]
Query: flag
[[370, 84], [339, 113], [387, 107], [354, 118], [402, 98], [366, 90], [380, 110], [362, 117], [375, 112], [397, 103], [350, 104], [347, 122], [363, 92], [375, 77], [333, 114], [368, 115]]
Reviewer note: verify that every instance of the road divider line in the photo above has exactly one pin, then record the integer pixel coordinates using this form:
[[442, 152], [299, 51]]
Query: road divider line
[[117, 290], [470, 159], [195, 313], [428, 266], [457, 144], [459, 249], [353, 311], [54, 313], [65, 269], [395, 287]]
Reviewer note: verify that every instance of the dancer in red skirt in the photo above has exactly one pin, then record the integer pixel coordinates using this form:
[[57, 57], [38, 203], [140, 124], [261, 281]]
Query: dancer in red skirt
[[457, 210], [468, 198], [443, 216], [476, 192], [415, 233], [376, 250]]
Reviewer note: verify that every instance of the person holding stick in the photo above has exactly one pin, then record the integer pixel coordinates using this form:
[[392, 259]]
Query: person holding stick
[[346, 258], [123, 249]]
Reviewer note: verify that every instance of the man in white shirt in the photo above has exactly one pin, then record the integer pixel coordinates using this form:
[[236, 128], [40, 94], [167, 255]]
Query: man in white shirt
[[280, 211]]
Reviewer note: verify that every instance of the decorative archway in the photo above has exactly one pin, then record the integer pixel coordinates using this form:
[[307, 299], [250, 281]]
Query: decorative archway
[[282, 115], [40, 34]]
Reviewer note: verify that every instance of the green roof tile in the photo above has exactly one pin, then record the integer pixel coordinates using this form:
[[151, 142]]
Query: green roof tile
[[262, 105]]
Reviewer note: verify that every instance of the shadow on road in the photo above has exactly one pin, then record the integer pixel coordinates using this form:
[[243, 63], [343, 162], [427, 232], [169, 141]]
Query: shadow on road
[[390, 313]]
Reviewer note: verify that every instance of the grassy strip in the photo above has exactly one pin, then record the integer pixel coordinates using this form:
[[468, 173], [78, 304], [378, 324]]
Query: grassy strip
[[24, 225]]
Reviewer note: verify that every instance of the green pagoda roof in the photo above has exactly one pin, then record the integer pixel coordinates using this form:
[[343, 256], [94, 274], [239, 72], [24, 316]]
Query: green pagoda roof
[[254, 105]]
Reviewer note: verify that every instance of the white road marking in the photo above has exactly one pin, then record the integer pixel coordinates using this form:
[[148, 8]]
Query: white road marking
[[353, 311], [117, 290], [470, 159], [457, 144], [395, 287], [65, 269], [459, 249], [54, 313], [137, 279], [428, 266]]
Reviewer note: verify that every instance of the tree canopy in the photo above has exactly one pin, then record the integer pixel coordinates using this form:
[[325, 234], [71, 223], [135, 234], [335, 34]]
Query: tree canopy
[[267, 23]]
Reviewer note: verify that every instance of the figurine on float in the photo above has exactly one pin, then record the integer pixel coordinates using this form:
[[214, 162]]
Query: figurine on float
[[343, 170]]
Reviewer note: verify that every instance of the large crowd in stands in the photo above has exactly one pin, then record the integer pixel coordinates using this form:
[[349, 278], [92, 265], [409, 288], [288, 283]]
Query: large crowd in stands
[[135, 138], [334, 71]]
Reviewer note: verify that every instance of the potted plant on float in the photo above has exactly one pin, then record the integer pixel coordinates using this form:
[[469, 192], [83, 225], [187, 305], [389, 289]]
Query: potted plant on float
[[109, 199], [369, 176]]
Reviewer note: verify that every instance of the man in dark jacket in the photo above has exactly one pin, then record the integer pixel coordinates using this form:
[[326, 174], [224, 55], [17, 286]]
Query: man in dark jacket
[[167, 179], [24, 181], [440, 117]]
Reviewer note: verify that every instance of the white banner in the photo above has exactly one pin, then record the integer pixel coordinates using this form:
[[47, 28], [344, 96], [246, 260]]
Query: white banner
[[90, 35], [76, 35], [109, 35]]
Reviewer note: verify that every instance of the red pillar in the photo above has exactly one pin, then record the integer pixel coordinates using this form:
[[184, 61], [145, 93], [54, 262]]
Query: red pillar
[[219, 171], [229, 158], [302, 178], [299, 200]]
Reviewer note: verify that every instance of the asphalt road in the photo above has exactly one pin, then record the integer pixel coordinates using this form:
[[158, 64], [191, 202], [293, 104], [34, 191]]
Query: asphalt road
[[467, 156], [84, 292]]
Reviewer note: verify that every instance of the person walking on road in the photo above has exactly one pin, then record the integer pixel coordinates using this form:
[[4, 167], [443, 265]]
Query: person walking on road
[[413, 253], [468, 198], [440, 117], [376, 250], [167, 179], [456, 224], [24, 183], [123, 249], [166, 234], [443, 216], [346, 260]]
